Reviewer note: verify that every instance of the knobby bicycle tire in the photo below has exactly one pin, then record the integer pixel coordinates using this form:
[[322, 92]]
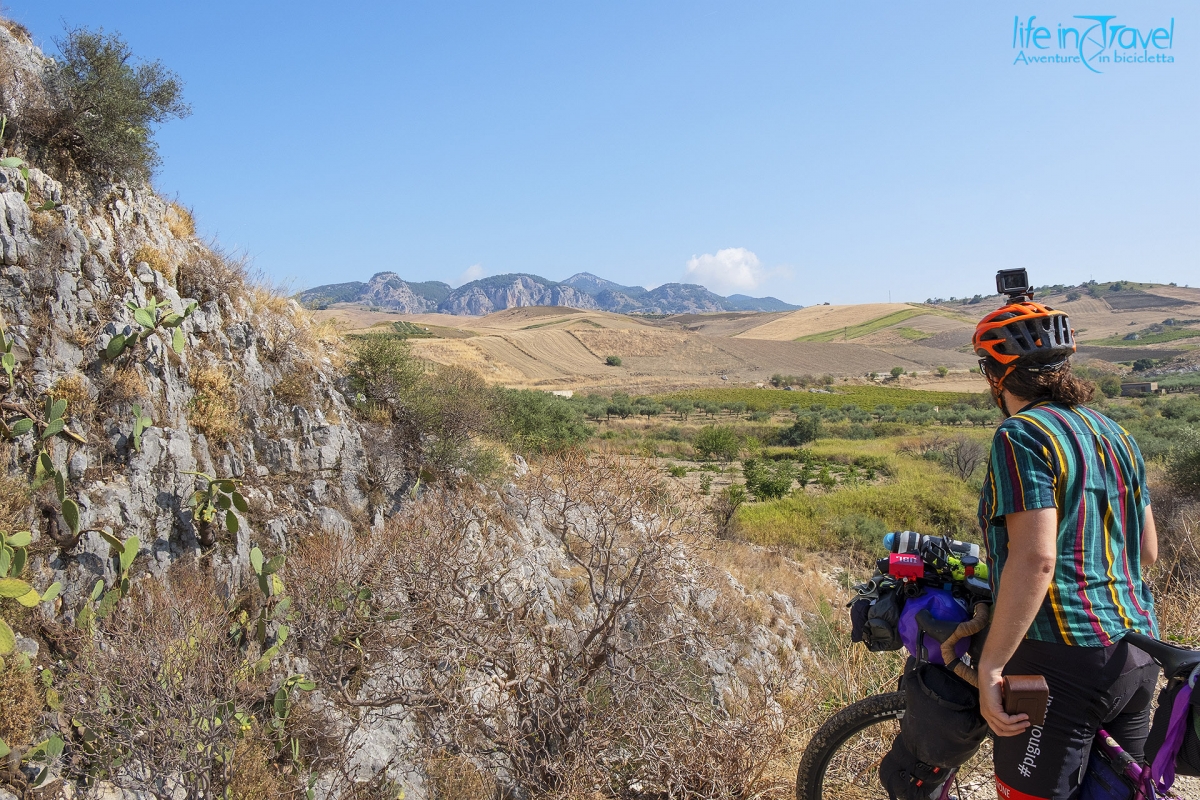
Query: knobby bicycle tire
[[825, 743], [973, 782]]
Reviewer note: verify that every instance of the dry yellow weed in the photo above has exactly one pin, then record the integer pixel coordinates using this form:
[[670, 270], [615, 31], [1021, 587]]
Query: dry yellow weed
[[215, 410], [180, 221]]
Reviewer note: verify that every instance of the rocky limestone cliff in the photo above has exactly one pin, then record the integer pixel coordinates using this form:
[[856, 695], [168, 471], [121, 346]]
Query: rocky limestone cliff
[[68, 279], [252, 395], [512, 291], [385, 290]]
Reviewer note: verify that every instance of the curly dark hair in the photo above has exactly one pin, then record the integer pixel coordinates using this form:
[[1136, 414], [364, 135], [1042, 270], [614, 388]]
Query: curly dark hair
[[1060, 385]]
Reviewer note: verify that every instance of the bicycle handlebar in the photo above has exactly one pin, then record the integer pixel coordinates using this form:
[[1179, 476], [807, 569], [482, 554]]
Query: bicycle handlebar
[[950, 634]]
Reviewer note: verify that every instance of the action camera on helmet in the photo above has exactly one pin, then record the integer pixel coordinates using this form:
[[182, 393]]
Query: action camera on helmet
[[1014, 283]]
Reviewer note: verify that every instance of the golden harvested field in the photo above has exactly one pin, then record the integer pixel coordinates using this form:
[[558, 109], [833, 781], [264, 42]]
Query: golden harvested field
[[565, 348], [1095, 319], [819, 319], [574, 359], [540, 318], [726, 324]]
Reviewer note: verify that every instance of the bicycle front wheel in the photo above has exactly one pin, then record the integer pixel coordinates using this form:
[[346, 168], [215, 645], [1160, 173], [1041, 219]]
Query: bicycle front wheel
[[842, 760]]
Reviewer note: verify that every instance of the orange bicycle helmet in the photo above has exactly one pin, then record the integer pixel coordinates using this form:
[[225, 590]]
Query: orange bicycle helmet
[[1023, 335], [1026, 332]]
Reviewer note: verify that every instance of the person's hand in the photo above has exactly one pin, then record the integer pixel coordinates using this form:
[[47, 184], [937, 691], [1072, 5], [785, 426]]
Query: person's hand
[[991, 703]]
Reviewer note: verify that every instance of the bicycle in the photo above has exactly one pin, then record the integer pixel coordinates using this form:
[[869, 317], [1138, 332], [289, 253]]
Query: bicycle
[[841, 761]]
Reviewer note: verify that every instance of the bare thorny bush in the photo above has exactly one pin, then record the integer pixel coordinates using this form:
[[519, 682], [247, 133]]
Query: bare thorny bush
[[147, 705], [597, 683], [1175, 579]]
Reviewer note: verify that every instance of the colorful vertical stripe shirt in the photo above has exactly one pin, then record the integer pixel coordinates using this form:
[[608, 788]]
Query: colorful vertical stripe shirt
[[1079, 461]]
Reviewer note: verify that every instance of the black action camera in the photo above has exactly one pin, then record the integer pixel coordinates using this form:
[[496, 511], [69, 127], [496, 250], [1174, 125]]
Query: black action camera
[[1014, 283]]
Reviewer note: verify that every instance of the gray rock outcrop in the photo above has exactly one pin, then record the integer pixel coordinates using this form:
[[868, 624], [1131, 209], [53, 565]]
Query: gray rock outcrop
[[251, 396]]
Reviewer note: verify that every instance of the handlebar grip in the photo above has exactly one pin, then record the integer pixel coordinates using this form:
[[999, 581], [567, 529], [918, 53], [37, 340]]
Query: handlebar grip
[[938, 629]]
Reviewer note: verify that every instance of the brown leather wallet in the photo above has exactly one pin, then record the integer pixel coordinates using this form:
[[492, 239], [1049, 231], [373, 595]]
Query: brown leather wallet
[[1027, 694]]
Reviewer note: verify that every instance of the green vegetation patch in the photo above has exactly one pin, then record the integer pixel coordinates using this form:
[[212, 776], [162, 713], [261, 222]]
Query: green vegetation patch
[[865, 397], [912, 334], [853, 518], [1147, 337], [878, 324]]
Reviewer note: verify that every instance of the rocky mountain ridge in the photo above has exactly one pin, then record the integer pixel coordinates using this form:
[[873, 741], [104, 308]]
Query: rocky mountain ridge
[[515, 290]]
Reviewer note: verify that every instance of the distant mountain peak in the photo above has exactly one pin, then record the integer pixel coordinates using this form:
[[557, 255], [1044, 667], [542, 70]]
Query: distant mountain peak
[[594, 285], [583, 290]]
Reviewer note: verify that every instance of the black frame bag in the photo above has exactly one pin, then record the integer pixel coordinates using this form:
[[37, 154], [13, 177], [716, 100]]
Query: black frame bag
[[906, 777], [942, 724]]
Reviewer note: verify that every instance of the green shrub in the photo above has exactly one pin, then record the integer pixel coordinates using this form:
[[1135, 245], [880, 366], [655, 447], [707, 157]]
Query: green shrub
[[102, 106], [541, 422], [1109, 385], [914, 497], [768, 480], [613, 361], [1183, 465], [802, 431], [384, 369], [677, 471], [717, 441]]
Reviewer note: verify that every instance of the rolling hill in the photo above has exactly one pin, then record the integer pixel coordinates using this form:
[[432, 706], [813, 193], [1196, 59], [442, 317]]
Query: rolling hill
[[556, 347]]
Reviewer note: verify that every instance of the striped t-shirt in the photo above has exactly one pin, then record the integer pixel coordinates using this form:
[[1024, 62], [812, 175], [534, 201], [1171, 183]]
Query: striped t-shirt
[[1088, 467]]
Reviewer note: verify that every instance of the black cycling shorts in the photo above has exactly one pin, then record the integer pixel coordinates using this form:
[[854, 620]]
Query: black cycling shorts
[[1090, 688]]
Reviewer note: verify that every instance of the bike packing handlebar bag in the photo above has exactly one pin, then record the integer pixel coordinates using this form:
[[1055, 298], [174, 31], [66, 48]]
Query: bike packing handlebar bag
[[1174, 744], [875, 615], [942, 725]]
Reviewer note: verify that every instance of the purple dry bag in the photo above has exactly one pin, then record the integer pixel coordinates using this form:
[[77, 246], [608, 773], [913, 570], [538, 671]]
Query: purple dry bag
[[942, 606]]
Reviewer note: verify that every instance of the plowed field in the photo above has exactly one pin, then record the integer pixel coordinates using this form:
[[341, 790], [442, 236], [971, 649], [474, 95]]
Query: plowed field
[[820, 319]]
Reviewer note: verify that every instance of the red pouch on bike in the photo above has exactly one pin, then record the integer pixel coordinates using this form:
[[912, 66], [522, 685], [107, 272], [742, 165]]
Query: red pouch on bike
[[906, 565]]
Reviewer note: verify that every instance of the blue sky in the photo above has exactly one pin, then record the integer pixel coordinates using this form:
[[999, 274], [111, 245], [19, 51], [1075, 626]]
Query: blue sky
[[843, 152]]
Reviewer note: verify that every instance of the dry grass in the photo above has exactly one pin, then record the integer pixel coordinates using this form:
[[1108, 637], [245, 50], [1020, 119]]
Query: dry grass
[[46, 223], [180, 221], [456, 778], [1175, 579], [74, 389], [252, 776], [295, 387], [166, 647], [14, 499], [124, 385], [17, 29], [215, 410], [211, 273], [157, 260], [21, 705]]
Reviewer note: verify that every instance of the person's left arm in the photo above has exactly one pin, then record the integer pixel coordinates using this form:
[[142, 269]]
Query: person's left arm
[[1032, 554]]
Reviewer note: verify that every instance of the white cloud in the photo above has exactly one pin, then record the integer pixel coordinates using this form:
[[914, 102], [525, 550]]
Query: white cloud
[[734, 270], [471, 273]]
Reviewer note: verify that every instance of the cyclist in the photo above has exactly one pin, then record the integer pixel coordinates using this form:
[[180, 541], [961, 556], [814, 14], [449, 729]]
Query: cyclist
[[1068, 524]]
